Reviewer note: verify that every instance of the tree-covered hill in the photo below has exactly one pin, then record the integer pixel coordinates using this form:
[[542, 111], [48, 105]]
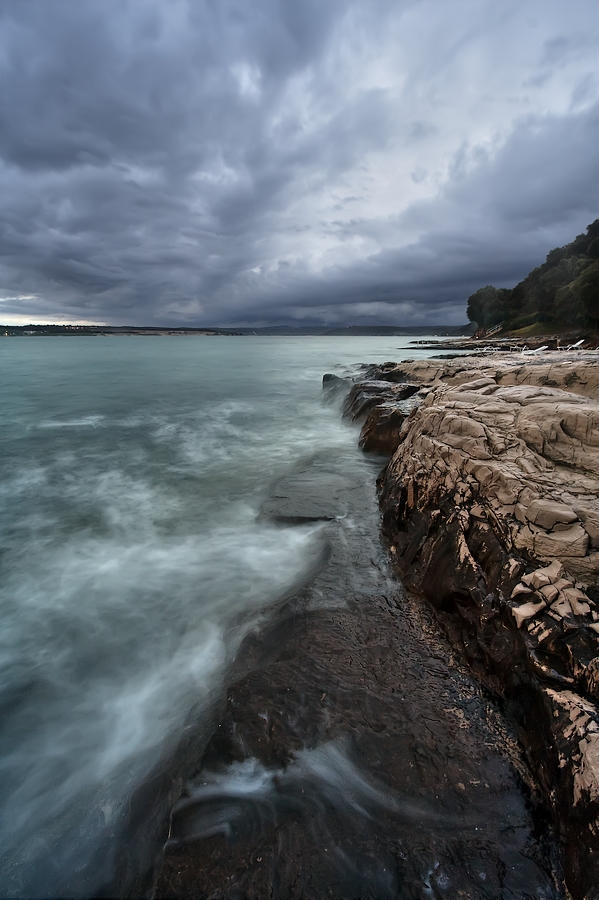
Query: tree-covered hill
[[561, 293]]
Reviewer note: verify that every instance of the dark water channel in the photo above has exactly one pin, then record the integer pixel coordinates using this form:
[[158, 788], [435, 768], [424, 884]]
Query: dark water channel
[[355, 758]]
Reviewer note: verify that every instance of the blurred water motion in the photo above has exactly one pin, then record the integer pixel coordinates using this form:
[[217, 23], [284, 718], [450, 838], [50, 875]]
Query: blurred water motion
[[133, 565]]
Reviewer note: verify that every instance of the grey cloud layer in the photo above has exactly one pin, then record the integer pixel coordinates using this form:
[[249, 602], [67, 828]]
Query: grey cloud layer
[[222, 163]]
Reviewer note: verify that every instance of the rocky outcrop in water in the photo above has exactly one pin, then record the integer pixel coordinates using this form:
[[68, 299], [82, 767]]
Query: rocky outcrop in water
[[385, 398], [490, 508], [365, 395]]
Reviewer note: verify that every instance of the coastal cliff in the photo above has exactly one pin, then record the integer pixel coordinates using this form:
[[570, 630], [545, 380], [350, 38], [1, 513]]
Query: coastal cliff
[[490, 508]]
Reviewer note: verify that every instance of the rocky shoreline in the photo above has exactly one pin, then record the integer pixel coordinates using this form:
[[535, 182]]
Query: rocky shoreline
[[490, 506], [383, 746]]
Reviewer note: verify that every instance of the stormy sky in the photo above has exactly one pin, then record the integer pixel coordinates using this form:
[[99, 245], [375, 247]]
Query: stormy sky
[[223, 162]]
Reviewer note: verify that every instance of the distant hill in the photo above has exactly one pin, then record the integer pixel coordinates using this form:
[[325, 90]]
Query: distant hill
[[363, 330], [562, 293]]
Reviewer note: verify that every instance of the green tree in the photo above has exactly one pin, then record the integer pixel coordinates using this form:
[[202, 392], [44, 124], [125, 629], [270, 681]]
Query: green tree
[[486, 306], [589, 295], [564, 288]]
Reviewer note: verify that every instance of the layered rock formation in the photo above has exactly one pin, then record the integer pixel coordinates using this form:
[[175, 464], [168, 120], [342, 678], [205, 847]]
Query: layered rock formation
[[491, 510]]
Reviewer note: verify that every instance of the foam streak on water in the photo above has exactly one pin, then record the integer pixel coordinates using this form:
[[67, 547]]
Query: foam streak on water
[[133, 563]]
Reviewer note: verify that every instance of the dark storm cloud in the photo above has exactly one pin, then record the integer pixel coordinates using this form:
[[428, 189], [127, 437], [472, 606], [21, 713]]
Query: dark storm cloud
[[225, 162]]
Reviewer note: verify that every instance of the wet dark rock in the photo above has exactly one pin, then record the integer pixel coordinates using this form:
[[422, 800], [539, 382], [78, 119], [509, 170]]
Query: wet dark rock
[[333, 386], [388, 371], [365, 395], [410, 792], [381, 430]]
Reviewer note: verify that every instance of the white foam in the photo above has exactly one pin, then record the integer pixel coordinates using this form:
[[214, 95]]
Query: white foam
[[110, 640], [83, 422], [314, 780]]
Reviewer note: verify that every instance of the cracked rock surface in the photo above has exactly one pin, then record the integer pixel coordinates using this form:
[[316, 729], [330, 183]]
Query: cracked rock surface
[[490, 507]]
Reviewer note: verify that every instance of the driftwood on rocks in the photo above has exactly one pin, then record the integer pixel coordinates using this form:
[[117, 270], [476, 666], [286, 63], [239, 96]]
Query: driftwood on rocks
[[490, 507]]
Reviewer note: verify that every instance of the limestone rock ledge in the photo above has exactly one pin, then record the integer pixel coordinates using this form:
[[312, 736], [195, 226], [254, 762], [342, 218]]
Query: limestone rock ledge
[[490, 507]]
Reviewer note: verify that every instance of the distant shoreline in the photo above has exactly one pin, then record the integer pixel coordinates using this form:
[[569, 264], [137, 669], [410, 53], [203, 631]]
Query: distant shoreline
[[107, 331]]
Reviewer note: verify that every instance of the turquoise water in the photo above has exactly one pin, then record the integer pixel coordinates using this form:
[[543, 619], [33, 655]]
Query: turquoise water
[[133, 563]]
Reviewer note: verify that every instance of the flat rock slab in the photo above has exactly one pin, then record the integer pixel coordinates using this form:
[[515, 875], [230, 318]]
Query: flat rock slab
[[317, 490], [578, 373], [312, 496], [548, 513]]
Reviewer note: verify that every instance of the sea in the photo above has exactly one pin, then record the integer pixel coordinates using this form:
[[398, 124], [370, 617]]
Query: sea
[[135, 561]]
